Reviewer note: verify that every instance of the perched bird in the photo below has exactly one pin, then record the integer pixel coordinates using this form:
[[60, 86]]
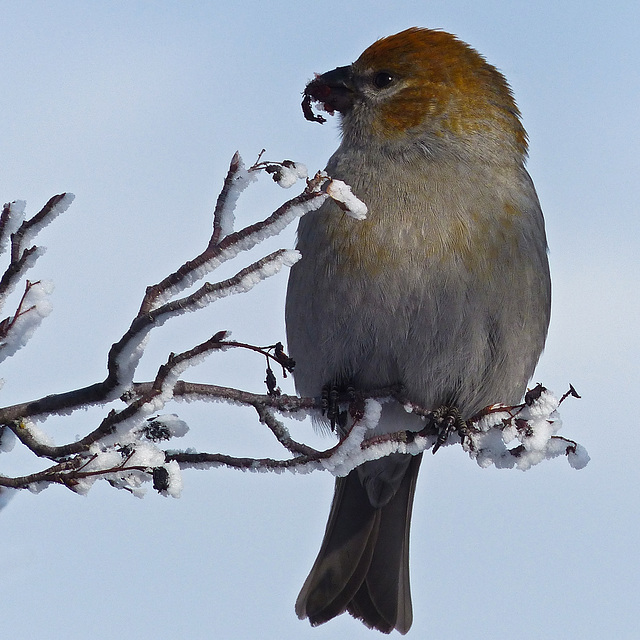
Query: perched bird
[[444, 288]]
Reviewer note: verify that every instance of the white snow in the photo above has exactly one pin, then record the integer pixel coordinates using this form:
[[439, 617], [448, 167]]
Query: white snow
[[14, 220], [36, 433], [7, 440], [241, 180], [145, 454], [246, 243], [36, 306], [176, 427], [118, 469], [6, 494], [350, 454], [350, 204], [534, 427], [174, 480], [60, 207], [290, 172], [129, 358], [579, 458]]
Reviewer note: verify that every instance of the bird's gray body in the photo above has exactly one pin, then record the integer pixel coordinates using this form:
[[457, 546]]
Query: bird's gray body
[[444, 289]]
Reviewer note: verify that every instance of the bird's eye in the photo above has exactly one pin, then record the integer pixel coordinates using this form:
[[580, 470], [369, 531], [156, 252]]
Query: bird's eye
[[382, 79]]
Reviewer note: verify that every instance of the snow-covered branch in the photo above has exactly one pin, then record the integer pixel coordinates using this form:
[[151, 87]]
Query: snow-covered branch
[[129, 446], [532, 425]]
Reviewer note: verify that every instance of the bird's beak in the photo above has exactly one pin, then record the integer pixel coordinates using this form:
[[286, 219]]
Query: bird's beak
[[334, 90]]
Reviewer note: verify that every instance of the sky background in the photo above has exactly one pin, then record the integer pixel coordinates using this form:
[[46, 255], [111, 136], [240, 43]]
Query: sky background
[[137, 108]]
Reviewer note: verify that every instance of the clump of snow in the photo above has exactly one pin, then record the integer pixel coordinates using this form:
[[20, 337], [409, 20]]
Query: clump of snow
[[36, 433], [270, 268], [492, 420], [13, 221], [288, 173], [578, 457], [145, 454], [509, 433], [175, 427], [346, 200], [174, 479], [128, 468], [37, 487], [533, 427], [350, 453], [129, 358], [6, 493], [7, 439]]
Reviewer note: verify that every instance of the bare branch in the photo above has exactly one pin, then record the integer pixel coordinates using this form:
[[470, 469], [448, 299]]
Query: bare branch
[[124, 448], [8, 323], [223, 198], [52, 209], [16, 270], [4, 222], [217, 253], [281, 432], [125, 353]]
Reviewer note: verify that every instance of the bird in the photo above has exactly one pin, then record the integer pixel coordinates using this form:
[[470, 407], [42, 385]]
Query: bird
[[443, 290]]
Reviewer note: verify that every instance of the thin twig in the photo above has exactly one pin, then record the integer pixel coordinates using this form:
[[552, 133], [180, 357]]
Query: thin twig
[[234, 167]]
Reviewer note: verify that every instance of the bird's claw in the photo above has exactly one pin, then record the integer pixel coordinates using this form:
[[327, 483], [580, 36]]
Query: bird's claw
[[448, 421], [332, 395]]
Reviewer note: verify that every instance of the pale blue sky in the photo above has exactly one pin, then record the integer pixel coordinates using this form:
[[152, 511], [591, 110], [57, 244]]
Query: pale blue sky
[[137, 108]]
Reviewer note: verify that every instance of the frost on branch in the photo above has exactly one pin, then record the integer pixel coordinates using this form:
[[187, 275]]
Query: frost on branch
[[344, 198], [33, 307], [133, 445], [532, 426]]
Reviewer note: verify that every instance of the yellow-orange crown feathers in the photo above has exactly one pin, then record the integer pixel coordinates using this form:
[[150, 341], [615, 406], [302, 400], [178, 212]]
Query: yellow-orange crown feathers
[[444, 80]]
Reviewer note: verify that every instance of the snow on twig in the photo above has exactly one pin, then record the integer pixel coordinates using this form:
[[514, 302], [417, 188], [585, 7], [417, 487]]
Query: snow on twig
[[157, 306], [236, 181], [10, 220], [18, 232], [228, 247], [128, 447], [32, 227], [342, 195], [33, 307], [121, 433], [483, 437]]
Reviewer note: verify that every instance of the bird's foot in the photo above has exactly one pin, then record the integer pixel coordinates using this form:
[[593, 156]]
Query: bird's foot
[[333, 395], [448, 420]]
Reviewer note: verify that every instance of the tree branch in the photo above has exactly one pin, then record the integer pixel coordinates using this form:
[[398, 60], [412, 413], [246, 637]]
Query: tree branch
[[125, 447]]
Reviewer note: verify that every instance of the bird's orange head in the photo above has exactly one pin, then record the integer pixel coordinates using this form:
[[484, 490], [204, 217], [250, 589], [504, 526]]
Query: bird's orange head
[[423, 85]]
